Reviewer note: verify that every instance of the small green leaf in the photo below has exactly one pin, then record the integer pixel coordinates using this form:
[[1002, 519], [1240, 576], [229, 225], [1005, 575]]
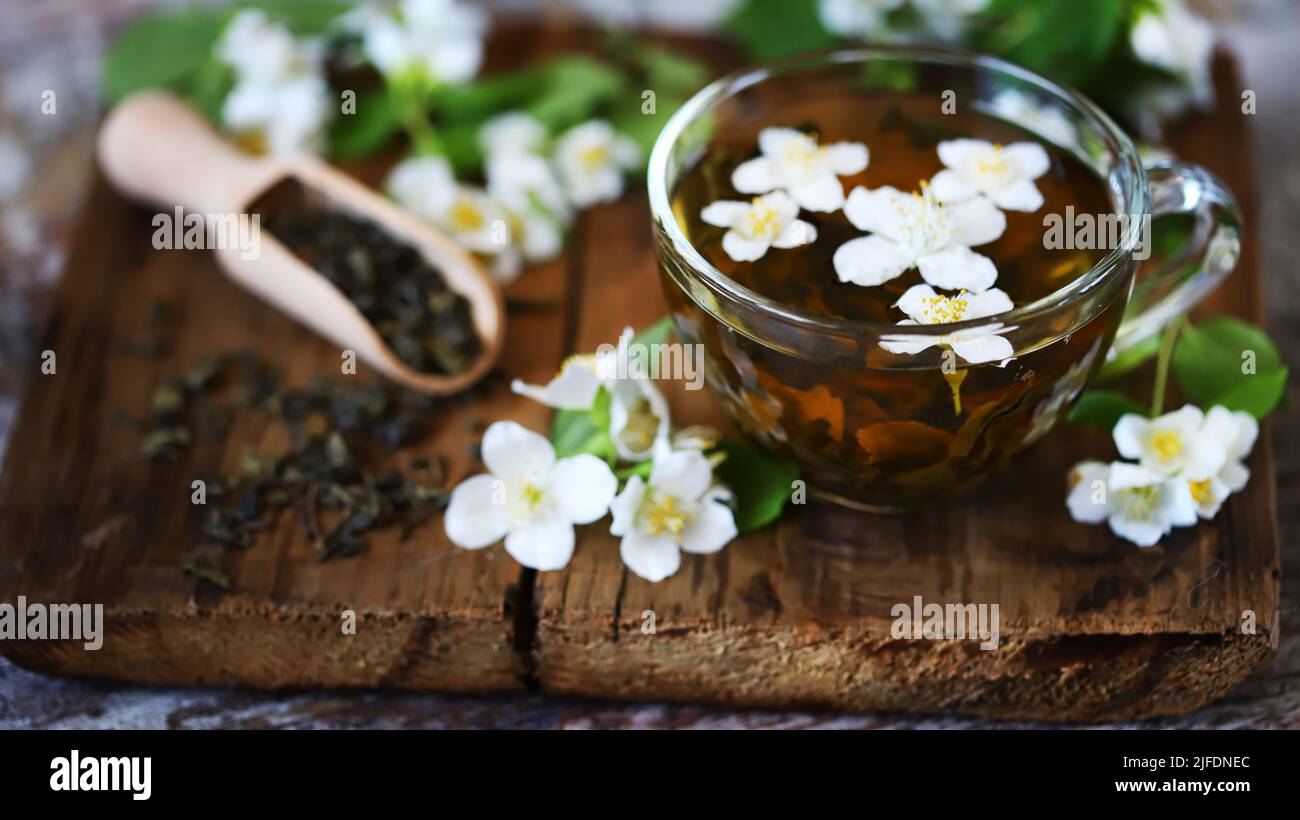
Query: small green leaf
[[770, 29], [584, 431], [369, 129], [656, 333], [479, 100], [163, 50], [576, 88], [1102, 408], [762, 484], [667, 72], [1226, 359]]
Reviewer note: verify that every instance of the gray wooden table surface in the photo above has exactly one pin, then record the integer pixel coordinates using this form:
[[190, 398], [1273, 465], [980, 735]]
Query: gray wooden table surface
[[43, 169]]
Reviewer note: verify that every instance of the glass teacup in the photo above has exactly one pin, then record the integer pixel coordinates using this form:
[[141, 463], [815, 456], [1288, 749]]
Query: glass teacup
[[881, 416]]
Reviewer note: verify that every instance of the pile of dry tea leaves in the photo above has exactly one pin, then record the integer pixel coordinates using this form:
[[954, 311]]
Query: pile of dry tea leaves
[[335, 429], [423, 321]]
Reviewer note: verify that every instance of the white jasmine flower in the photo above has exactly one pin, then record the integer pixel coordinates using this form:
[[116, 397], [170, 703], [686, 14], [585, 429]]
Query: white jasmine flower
[[1172, 444], [538, 210], [591, 158], [262, 50], [793, 161], [528, 497], [439, 41], [1138, 504], [639, 419], [280, 101], [678, 509], [1237, 432], [514, 132], [917, 230], [976, 345], [1169, 36], [1047, 121], [282, 116], [1003, 174], [858, 19], [769, 221], [472, 218]]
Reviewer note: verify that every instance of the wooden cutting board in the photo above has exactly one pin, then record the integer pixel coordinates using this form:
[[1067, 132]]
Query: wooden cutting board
[[795, 615]]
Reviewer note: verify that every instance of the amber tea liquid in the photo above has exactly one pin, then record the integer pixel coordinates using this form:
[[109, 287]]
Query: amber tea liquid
[[866, 431]]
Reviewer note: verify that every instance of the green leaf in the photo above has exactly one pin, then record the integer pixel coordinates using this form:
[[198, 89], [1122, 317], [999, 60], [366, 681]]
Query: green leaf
[[775, 28], [1228, 361], [1102, 408], [643, 129], [1068, 40], [656, 333], [369, 128], [667, 72], [1131, 359], [1257, 396], [482, 98], [576, 88], [584, 431], [163, 50], [762, 484]]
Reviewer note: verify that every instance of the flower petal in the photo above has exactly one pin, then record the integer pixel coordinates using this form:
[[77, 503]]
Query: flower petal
[[870, 260], [847, 158], [947, 187], [958, 268], [510, 449], [712, 528], [1144, 533], [1130, 433], [879, 210], [623, 508], [774, 141], [952, 153], [824, 194], [474, 520], [574, 388], [653, 557], [1082, 501], [583, 486], [914, 299], [976, 222], [1021, 195], [543, 544], [1125, 476], [741, 249], [724, 213], [683, 473], [905, 344], [1030, 158], [983, 348], [1234, 475], [754, 176], [988, 303], [796, 234], [1180, 506]]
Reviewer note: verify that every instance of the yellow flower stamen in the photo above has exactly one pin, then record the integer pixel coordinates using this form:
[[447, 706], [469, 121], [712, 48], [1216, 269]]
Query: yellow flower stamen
[[1167, 444], [1202, 492], [1142, 502], [465, 217], [664, 517], [761, 220], [944, 309], [594, 157]]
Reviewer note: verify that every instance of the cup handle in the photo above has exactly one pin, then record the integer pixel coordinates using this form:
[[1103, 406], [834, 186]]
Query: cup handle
[[1179, 283]]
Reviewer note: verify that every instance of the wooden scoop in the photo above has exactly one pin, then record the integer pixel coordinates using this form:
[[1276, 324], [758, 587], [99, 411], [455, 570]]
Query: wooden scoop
[[156, 149]]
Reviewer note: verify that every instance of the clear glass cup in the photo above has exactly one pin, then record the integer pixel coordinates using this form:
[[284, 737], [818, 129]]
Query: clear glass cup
[[878, 431]]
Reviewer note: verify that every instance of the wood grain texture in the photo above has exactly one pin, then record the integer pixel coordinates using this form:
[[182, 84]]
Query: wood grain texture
[[800, 614], [797, 615]]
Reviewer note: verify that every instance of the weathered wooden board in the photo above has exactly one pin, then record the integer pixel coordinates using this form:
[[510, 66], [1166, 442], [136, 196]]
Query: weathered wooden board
[[797, 614], [1092, 628]]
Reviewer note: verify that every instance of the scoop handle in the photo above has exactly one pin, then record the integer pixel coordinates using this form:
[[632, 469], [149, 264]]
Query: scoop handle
[[155, 148]]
